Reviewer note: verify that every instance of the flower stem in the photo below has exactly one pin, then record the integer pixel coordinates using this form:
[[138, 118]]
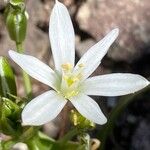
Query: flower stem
[[26, 78], [29, 133], [69, 135]]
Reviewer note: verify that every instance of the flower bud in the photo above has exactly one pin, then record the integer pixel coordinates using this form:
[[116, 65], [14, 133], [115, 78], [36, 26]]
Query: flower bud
[[16, 23], [16, 20]]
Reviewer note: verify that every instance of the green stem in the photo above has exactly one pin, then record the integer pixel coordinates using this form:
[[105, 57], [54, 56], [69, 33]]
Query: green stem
[[19, 47], [69, 135], [26, 78], [29, 133]]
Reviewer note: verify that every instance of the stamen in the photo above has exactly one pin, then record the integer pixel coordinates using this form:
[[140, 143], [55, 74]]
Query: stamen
[[67, 67], [70, 80], [81, 65]]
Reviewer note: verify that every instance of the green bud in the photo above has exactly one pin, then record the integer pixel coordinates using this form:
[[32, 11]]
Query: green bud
[[16, 23], [18, 5], [7, 79], [16, 20], [81, 122], [14, 5]]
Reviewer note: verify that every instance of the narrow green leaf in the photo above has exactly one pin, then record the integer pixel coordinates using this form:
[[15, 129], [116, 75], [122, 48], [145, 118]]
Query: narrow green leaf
[[7, 79]]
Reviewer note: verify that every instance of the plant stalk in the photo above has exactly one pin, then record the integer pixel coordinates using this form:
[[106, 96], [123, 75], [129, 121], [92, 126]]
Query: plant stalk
[[26, 78]]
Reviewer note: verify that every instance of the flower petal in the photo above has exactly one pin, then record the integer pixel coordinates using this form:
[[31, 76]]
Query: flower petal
[[92, 58], [34, 67], [115, 84], [43, 108], [88, 108], [62, 36]]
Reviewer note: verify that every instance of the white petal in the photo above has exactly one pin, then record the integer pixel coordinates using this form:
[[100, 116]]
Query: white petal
[[88, 108], [62, 36], [34, 67], [92, 58], [114, 84], [43, 108]]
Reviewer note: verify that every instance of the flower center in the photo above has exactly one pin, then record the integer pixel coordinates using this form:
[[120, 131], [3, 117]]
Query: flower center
[[70, 82]]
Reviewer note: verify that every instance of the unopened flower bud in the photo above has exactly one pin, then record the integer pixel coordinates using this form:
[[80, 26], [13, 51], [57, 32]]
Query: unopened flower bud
[[16, 23], [16, 20]]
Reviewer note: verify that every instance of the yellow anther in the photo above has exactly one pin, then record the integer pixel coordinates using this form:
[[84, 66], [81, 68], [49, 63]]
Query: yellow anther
[[81, 65], [67, 67]]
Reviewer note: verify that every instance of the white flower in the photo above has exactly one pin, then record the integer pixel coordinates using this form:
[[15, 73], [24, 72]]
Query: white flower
[[70, 82]]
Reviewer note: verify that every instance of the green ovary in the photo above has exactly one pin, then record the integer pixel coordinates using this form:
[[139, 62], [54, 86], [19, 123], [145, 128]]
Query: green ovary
[[70, 82], [69, 86]]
